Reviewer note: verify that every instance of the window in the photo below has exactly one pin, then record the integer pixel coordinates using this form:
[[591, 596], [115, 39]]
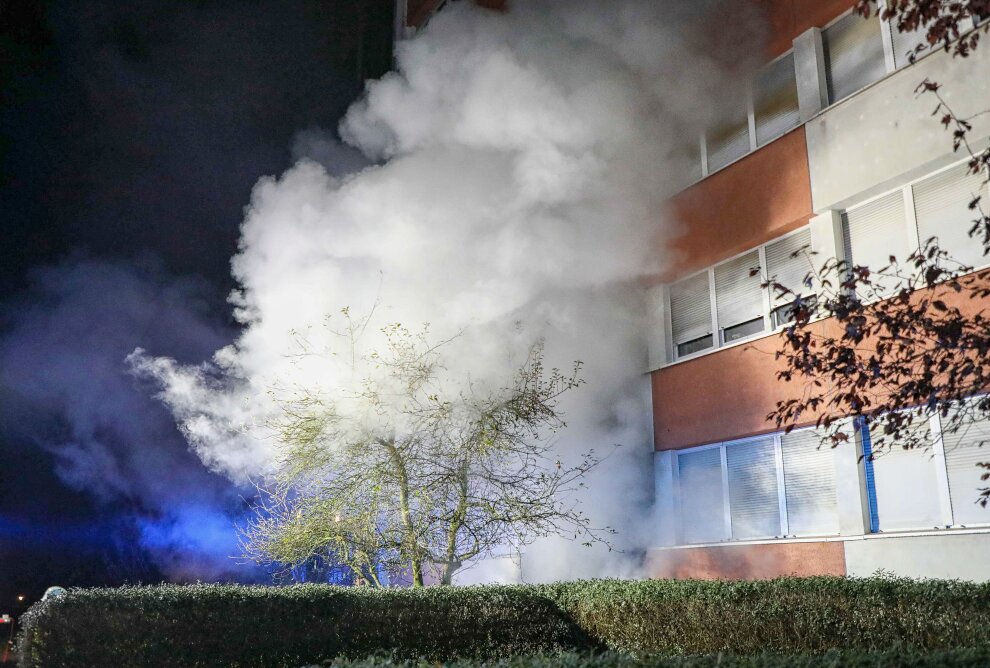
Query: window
[[903, 44], [875, 231], [932, 487], [789, 266], [691, 315], [754, 492], [703, 509], [738, 297], [907, 489], [742, 306], [809, 484], [770, 111], [963, 450], [854, 55], [941, 208], [727, 143], [775, 100], [764, 487], [885, 226]]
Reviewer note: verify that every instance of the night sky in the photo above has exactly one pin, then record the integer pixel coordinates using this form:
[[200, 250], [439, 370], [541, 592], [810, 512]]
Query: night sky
[[131, 135]]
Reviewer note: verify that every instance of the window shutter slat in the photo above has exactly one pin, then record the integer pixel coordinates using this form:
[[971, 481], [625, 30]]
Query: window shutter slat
[[963, 450], [853, 55], [776, 100], [875, 231], [789, 271], [690, 308], [941, 206], [738, 296], [727, 144], [702, 505], [809, 484], [754, 504]]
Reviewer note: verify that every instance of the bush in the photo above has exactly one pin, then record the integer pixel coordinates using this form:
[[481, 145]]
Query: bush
[[209, 625], [785, 615], [905, 658], [231, 625]]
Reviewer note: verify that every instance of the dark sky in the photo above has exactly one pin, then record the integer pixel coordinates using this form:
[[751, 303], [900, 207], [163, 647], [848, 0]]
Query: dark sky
[[131, 135]]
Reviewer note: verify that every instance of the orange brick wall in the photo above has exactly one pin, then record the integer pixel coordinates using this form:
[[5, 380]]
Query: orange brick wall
[[789, 18], [748, 562], [762, 196], [728, 393]]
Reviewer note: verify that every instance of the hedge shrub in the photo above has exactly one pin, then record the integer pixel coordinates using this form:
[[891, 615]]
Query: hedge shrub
[[903, 658], [229, 625]]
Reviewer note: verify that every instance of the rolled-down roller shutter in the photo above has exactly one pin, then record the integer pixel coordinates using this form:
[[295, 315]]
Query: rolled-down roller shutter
[[875, 231], [702, 501], [854, 55], [775, 100], [691, 313], [754, 490], [739, 297], [964, 449], [809, 484], [941, 206]]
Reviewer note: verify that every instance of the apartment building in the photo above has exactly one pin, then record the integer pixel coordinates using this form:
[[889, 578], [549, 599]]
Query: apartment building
[[833, 150]]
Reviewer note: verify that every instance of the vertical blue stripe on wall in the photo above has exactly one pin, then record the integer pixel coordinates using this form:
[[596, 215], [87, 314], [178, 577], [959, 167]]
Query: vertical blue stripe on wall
[[871, 487]]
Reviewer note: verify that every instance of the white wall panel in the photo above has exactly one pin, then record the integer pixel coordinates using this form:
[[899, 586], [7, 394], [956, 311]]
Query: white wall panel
[[886, 135]]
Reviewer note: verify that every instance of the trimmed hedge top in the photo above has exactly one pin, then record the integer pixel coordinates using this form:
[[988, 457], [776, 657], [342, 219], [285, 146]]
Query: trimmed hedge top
[[231, 625]]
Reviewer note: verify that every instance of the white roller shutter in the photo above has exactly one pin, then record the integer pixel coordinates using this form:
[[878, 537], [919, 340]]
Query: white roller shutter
[[776, 100], [809, 484], [907, 487], [905, 43], [738, 296], [875, 231], [727, 143], [854, 55], [963, 451], [754, 492], [941, 206], [787, 270], [691, 309], [701, 496]]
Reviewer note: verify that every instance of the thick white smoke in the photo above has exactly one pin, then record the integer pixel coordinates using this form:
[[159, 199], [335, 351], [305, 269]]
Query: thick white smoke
[[522, 162]]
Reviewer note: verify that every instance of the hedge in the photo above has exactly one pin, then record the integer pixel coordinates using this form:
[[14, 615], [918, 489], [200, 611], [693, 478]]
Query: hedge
[[904, 658], [232, 625]]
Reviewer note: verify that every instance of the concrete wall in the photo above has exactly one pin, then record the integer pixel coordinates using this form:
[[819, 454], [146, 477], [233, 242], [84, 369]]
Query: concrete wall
[[962, 556], [885, 134]]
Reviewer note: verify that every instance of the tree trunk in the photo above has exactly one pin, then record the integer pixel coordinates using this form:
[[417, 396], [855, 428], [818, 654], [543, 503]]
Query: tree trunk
[[415, 563]]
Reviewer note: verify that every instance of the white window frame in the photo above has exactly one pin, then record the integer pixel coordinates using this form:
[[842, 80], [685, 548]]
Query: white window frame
[[726, 503], [671, 351]]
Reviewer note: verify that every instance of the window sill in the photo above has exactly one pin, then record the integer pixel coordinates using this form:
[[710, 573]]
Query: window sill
[[711, 351]]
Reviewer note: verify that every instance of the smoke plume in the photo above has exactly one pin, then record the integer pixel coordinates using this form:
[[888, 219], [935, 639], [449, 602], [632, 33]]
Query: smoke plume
[[520, 163], [68, 391]]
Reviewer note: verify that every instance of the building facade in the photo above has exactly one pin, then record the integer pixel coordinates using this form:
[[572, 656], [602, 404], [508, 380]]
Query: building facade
[[832, 150], [836, 151]]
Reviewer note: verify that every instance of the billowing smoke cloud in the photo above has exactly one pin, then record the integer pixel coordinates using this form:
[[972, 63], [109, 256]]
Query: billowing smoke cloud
[[66, 389], [522, 162]]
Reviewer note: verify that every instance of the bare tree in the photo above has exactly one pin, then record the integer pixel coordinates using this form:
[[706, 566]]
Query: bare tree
[[412, 471]]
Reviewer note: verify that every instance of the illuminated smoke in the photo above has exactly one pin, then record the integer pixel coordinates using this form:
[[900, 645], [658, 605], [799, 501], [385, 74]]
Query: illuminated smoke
[[521, 165]]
